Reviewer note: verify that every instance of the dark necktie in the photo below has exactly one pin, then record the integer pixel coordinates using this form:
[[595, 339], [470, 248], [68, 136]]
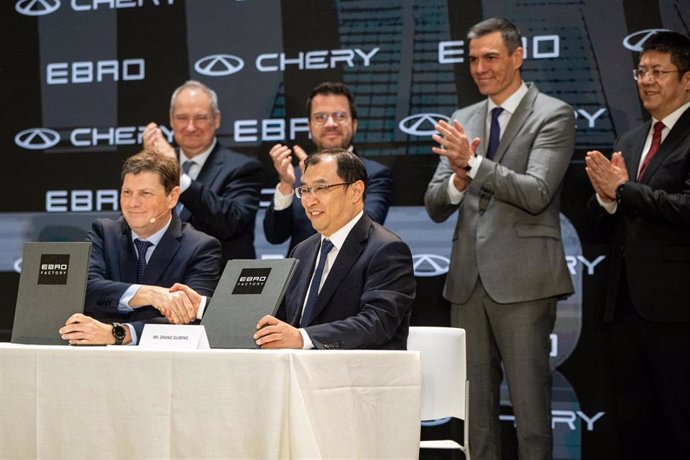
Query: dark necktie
[[656, 142], [142, 247], [494, 134], [186, 166], [326, 247]]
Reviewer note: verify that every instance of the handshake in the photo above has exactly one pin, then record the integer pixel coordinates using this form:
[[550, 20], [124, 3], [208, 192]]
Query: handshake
[[179, 304]]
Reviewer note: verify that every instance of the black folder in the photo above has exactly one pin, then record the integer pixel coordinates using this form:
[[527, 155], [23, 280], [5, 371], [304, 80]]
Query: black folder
[[248, 290], [52, 286]]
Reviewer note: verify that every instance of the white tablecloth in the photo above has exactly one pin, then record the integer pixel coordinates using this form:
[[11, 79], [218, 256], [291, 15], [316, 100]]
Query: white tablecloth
[[125, 402]]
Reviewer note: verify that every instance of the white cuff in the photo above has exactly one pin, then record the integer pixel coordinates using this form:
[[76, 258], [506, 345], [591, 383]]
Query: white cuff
[[308, 344], [280, 201], [202, 307], [454, 195], [610, 207], [185, 182]]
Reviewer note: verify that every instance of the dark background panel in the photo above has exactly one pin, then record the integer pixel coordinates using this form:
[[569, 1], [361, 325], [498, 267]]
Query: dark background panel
[[582, 52]]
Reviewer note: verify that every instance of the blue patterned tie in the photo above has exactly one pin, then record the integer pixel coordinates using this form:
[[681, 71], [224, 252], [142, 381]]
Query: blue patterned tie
[[142, 247], [494, 134], [186, 166], [326, 247]]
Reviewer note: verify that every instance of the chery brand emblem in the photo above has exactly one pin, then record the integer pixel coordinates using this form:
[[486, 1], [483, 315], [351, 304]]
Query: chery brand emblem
[[422, 124], [37, 138], [219, 65], [635, 42], [36, 7], [430, 265]]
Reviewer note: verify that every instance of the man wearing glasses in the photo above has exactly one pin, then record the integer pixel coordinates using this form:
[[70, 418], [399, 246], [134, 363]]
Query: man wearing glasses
[[643, 205], [220, 189], [332, 124], [356, 283]]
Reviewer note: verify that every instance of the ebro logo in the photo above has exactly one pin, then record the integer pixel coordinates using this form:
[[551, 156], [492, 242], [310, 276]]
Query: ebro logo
[[430, 265], [423, 124], [37, 138], [635, 41], [36, 7], [219, 65]]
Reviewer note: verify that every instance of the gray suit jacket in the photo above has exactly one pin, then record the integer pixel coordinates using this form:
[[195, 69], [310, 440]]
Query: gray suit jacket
[[508, 229]]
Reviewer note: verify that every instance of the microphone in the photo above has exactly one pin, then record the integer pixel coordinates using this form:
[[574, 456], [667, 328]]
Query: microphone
[[155, 218]]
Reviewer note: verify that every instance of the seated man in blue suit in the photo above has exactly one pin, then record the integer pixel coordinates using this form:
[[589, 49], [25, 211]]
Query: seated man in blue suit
[[140, 261], [332, 124], [356, 284]]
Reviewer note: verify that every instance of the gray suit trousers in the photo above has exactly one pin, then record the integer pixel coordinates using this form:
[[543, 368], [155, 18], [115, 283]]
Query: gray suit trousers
[[518, 335]]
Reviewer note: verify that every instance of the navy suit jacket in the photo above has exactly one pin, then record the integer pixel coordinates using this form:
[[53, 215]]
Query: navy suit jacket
[[293, 222], [366, 300], [651, 228], [224, 199], [184, 255]]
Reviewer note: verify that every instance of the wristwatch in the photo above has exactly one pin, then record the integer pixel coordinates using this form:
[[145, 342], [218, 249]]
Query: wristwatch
[[119, 333]]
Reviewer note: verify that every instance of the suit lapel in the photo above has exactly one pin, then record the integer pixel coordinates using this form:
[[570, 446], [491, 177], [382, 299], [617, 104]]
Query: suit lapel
[[163, 253], [128, 267], [517, 120], [347, 256], [311, 248], [632, 164], [208, 174], [668, 146]]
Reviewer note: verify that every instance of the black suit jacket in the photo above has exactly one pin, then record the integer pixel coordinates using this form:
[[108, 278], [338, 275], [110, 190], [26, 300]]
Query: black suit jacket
[[366, 300], [651, 228], [184, 255], [224, 199], [293, 222]]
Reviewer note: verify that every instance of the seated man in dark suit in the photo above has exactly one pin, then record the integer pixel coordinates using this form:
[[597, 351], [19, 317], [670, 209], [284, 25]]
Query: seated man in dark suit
[[219, 188], [332, 124], [356, 285], [138, 260]]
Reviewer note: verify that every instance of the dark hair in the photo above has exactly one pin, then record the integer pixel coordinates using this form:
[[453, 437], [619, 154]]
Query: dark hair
[[167, 168], [349, 166], [509, 32], [673, 43], [330, 88]]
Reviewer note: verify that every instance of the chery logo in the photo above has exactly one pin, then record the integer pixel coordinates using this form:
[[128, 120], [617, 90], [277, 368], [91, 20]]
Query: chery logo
[[36, 7], [422, 124], [430, 264], [219, 65], [37, 138], [635, 42]]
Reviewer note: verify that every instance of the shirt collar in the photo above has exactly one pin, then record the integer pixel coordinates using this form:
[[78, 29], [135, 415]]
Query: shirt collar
[[673, 117], [156, 237], [201, 158], [510, 105], [338, 238]]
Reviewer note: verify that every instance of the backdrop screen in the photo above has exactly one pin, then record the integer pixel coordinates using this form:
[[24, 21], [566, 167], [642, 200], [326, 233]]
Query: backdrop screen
[[81, 79]]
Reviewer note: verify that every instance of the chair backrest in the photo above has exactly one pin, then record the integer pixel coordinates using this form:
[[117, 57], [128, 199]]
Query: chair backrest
[[444, 370]]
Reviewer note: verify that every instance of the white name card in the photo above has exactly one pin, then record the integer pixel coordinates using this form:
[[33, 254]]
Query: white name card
[[174, 337]]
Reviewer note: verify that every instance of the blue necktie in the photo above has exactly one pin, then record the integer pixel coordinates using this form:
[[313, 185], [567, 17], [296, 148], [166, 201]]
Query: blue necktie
[[494, 134], [326, 247], [142, 247], [186, 166]]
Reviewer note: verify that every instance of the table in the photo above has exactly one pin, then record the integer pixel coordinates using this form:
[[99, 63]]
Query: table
[[127, 402]]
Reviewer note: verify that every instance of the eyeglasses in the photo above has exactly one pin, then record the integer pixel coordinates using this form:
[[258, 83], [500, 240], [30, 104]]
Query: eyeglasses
[[317, 190], [321, 118], [654, 74], [197, 120]]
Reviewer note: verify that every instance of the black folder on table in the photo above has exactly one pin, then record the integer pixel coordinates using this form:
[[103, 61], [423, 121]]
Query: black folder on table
[[248, 290], [52, 286]]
